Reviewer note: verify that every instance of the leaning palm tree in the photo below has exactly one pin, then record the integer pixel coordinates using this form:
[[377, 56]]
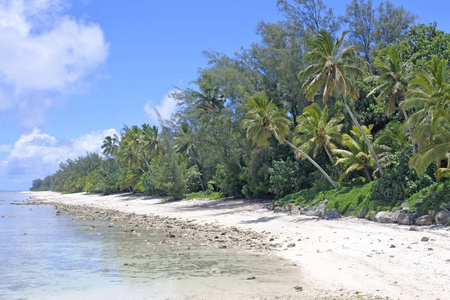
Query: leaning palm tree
[[264, 120], [392, 82], [317, 132], [330, 70]]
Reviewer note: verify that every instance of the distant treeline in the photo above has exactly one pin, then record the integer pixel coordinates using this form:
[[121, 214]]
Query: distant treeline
[[306, 107]]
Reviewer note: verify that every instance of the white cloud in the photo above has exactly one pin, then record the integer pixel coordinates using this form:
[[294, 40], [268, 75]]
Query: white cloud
[[36, 155], [5, 148], [44, 52], [166, 108]]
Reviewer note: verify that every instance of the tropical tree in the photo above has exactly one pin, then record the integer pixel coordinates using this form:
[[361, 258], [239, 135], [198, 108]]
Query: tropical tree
[[110, 145], [317, 132], [151, 141], [357, 156], [264, 119], [331, 69], [429, 95], [392, 81]]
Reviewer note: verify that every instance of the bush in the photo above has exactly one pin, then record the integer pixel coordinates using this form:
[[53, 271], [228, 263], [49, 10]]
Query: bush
[[287, 177], [399, 182], [228, 179]]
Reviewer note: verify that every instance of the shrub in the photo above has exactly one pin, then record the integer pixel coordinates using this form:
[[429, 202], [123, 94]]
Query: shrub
[[399, 182], [287, 177]]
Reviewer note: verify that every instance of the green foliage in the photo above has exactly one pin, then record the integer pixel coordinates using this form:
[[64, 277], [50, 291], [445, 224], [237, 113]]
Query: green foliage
[[256, 174], [351, 197], [204, 195], [147, 184], [399, 183], [287, 177], [434, 198], [229, 180], [169, 172]]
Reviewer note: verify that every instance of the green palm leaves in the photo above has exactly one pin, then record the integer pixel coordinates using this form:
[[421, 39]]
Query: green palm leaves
[[393, 79], [317, 132], [110, 145], [264, 120], [429, 94], [331, 67], [357, 156]]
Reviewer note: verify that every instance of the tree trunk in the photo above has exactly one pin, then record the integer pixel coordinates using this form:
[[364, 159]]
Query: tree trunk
[[368, 177], [328, 153], [410, 132], [364, 136], [313, 162]]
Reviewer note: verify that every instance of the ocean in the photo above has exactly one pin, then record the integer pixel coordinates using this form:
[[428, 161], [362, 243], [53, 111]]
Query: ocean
[[50, 255]]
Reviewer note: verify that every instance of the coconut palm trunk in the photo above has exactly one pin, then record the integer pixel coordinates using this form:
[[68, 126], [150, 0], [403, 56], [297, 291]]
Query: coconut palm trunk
[[328, 154], [410, 133], [313, 162]]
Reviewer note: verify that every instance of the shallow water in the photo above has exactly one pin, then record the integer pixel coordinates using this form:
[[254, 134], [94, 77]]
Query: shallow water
[[44, 255]]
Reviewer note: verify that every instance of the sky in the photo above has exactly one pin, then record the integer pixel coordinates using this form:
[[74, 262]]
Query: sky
[[75, 71]]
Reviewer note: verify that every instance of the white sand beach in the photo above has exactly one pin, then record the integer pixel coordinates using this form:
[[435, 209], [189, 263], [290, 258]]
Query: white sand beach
[[344, 258]]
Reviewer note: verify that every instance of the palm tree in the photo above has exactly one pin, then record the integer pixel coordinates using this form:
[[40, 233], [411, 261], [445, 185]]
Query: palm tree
[[393, 82], [264, 119], [185, 142], [151, 141], [330, 71], [110, 145], [357, 156], [317, 132], [429, 94]]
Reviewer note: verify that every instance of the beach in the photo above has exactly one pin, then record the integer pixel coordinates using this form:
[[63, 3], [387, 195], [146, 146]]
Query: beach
[[347, 258]]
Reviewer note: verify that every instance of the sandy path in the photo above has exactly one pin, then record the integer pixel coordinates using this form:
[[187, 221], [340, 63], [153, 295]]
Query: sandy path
[[351, 255]]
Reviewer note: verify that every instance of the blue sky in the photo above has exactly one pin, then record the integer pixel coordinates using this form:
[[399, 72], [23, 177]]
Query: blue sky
[[72, 72]]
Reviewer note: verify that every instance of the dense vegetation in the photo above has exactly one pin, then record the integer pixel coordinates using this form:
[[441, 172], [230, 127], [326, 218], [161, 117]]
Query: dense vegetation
[[304, 108]]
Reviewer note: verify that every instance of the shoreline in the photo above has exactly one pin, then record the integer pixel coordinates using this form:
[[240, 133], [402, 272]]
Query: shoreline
[[348, 258]]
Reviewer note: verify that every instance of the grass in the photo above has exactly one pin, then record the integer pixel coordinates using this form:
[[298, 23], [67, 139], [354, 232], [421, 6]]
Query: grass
[[352, 198], [202, 195], [349, 198]]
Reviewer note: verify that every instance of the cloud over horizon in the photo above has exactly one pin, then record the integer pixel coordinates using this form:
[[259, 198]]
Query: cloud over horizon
[[36, 155], [165, 108], [44, 54]]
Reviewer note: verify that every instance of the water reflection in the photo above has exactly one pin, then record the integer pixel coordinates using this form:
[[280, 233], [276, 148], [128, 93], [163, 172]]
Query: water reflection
[[50, 256]]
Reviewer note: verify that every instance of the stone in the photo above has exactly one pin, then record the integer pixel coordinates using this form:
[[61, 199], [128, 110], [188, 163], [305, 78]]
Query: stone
[[362, 213], [442, 217], [216, 271], [295, 210], [424, 239], [291, 245], [383, 217], [372, 215], [320, 210], [298, 288], [350, 213], [404, 206], [424, 220], [406, 218], [395, 216], [331, 214], [277, 209]]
